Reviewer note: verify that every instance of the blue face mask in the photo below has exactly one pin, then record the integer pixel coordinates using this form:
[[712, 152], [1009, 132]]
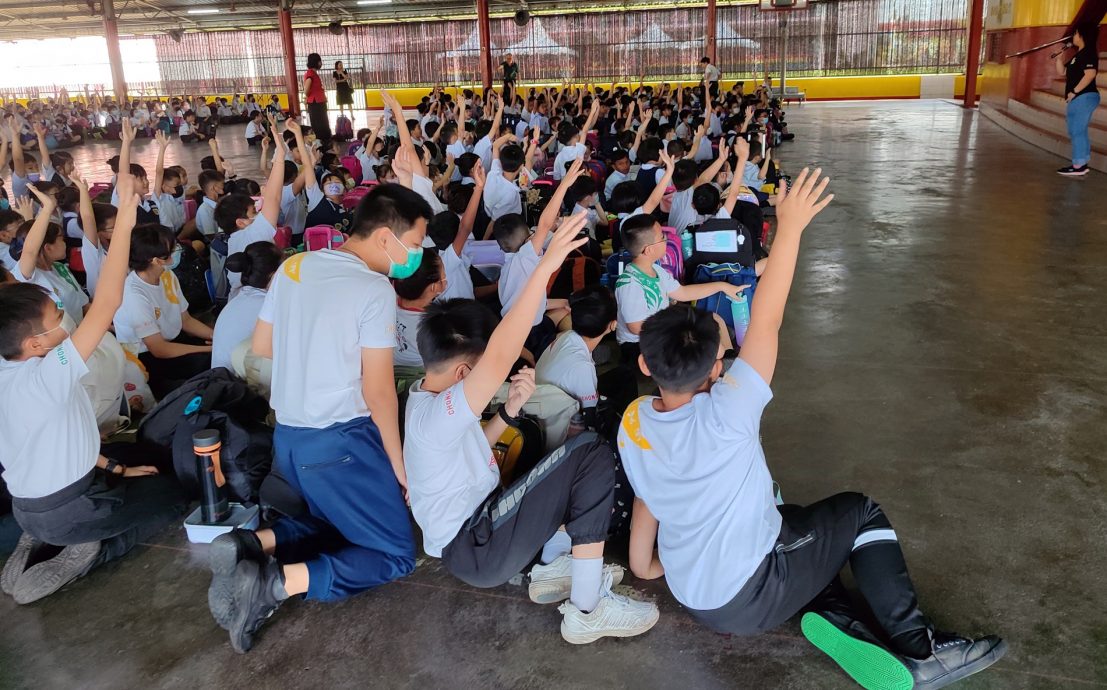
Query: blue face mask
[[399, 271], [4, 205], [174, 259], [33, 177]]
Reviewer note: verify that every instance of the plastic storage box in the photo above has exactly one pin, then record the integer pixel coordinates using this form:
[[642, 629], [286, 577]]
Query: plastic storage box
[[240, 516]]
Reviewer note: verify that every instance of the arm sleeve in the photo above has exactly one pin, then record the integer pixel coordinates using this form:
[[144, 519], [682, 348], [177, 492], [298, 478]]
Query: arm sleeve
[[314, 196], [669, 284], [269, 306], [59, 370], [740, 397], [632, 303], [377, 327]]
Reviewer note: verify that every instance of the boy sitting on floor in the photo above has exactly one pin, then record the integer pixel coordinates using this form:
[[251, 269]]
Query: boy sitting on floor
[[78, 508], [483, 533], [736, 561]]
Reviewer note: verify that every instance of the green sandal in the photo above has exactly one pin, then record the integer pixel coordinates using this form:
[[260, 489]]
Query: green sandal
[[872, 666]]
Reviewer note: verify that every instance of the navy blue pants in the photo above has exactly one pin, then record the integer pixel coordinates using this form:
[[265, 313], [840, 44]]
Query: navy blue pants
[[357, 533]]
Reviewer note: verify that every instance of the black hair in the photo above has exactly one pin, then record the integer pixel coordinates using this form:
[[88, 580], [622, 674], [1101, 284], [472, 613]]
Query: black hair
[[512, 158], [680, 345], [53, 232], [21, 310], [616, 156], [443, 229], [685, 173], [584, 186], [1090, 33], [458, 196], [649, 151], [706, 199], [150, 241], [625, 197], [705, 60], [169, 174], [9, 217], [314, 61], [243, 185], [208, 178], [137, 170], [208, 163], [430, 271], [58, 159], [593, 310], [102, 213], [230, 209], [389, 206], [755, 149], [257, 263], [510, 231], [69, 199], [566, 132], [448, 130], [636, 232], [454, 329], [113, 164], [466, 161]]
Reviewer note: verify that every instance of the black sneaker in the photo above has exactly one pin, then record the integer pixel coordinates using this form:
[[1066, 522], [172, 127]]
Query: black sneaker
[[954, 658], [1072, 171], [224, 555], [851, 645], [258, 592]]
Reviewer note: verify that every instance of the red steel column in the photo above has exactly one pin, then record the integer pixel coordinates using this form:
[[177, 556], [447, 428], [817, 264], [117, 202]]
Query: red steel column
[[711, 23], [292, 84], [484, 32], [976, 31], [115, 58]]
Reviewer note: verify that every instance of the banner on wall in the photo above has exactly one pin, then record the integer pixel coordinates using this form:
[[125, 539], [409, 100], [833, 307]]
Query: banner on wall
[[1000, 15]]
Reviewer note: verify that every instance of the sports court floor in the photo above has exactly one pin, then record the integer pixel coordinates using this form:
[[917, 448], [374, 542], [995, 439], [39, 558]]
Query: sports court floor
[[945, 351]]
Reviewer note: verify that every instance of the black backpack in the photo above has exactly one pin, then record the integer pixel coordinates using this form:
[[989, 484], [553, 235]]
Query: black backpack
[[742, 238], [215, 399]]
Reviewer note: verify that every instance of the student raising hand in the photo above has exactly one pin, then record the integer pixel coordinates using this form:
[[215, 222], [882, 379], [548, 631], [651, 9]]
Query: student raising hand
[[796, 208]]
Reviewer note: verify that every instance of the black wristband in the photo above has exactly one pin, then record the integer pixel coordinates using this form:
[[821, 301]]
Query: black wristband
[[508, 419], [110, 466]]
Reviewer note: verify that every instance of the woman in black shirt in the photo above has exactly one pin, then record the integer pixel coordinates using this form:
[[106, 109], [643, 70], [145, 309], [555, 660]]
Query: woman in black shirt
[[343, 90], [1081, 94], [511, 75]]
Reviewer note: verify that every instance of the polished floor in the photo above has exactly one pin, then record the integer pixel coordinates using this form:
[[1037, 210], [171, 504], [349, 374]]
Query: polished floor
[[945, 351]]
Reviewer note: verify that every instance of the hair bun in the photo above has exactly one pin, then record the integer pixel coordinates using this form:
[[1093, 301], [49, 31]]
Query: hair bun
[[239, 262]]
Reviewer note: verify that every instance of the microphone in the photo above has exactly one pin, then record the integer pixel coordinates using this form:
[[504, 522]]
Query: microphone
[[1066, 46]]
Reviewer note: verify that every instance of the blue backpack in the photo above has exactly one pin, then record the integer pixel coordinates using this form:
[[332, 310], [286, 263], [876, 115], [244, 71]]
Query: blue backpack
[[735, 274], [616, 263]]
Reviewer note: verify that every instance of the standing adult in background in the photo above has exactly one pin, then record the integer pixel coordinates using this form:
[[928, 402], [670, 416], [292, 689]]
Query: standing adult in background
[[317, 101], [1081, 94], [343, 90], [710, 77], [511, 75]]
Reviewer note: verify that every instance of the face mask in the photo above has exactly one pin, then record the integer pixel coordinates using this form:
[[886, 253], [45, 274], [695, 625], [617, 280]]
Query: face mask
[[33, 177], [66, 325], [178, 191], [333, 188], [406, 269], [174, 259], [764, 120], [4, 205]]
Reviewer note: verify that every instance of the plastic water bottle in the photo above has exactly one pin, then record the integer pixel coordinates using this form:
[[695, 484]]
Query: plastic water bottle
[[686, 244], [213, 502], [740, 312]]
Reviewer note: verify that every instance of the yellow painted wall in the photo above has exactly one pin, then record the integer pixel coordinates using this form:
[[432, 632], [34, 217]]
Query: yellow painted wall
[[816, 88], [1044, 12]]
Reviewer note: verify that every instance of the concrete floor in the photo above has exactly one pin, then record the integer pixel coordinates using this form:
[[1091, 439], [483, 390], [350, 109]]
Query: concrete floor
[[944, 352]]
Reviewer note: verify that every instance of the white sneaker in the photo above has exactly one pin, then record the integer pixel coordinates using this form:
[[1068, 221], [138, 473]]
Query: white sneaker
[[550, 584], [615, 616]]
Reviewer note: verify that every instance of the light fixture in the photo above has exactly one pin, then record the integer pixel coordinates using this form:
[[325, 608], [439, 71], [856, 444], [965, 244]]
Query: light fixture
[[374, 2], [209, 11]]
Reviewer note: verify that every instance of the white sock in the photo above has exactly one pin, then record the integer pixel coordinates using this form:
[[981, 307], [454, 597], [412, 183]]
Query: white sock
[[587, 576], [558, 545]]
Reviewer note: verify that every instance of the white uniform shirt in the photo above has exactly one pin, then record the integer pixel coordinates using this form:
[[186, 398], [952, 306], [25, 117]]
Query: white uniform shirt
[[47, 423], [682, 214], [450, 466], [458, 281], [640, 297], [566, 156], [613, 180], [424, 187], [235, 324], [501, 195], [701, 471], [325, 306], [170, 210], [261, 230], [483, 148], [93, 257], [294, 210], [407, 331], [517, 270], [149, 310], [205, 218], [568, 364]]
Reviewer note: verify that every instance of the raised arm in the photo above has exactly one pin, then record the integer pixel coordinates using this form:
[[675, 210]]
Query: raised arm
[[742, 148], [712, 170], [126, 136], [497, 120], [593, 115], [795, 208], [548, 219], [5, 144], [371, 137], [658, 193], [274, 186], [308, 171], [88, 218], [401, 124], [19, 167], [507, 340], [265, 142], [469, 218], [214, 146], [113, 272], [43, 150], [159, 168], [32, 243], [764, 172]]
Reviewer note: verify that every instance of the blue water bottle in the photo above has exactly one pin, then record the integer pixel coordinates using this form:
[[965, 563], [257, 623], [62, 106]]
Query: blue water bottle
[[740, 312], [686, 244]]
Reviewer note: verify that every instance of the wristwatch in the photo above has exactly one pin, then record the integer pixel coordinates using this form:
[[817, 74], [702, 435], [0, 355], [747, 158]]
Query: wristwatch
[[111, 466]]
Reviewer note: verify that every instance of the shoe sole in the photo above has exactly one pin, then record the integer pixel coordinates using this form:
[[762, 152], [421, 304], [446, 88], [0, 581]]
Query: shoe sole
[[223, 557], [1073, 174], [592, 636], [872, 667], [43, 579], [16, 563], [994, 655], [241, 641], [557, 589]]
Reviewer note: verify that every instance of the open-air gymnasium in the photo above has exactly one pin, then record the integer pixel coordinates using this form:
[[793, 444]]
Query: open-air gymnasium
[[549, 344]]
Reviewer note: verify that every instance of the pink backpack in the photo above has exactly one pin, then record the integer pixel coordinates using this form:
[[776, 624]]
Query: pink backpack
[[322, 237], [352, 164], [673, 261], [353, 197], [189, 209], [283, 238]]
